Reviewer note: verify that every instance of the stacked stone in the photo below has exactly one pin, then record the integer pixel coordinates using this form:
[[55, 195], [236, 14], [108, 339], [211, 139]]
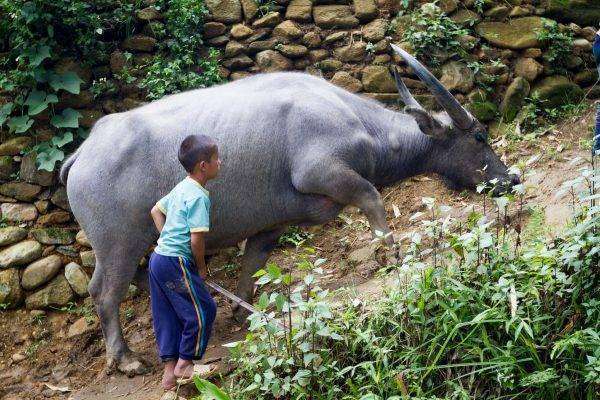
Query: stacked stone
[[38, 236]]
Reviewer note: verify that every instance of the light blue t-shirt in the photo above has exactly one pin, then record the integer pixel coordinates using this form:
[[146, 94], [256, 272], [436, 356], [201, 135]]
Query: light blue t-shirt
[[187, 208]]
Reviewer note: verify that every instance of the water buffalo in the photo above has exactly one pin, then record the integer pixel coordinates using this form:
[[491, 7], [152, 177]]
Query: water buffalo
[[295, 149]]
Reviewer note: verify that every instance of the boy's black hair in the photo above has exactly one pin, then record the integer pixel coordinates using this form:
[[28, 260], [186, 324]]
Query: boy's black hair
[[194, 149]]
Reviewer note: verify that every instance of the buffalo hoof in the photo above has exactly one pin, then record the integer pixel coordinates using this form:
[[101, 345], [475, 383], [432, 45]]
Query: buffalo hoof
[[130, 364]]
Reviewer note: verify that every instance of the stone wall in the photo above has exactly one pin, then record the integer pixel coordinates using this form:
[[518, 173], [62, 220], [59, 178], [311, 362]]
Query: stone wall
[[45, 260]]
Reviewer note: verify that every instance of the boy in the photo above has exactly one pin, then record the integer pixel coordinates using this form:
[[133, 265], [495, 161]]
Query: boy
[[182, 309]]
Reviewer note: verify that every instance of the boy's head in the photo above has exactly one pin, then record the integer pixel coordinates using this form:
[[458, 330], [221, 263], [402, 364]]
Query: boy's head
[[200, 154]]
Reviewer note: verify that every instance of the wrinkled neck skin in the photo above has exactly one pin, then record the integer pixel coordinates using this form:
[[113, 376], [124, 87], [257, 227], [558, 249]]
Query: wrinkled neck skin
[[415, 153]]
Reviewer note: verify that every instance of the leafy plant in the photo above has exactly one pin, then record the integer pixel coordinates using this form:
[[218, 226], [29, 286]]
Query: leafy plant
[[178, 66], [559, 45], [294, 236], [432, 34], [477, 312]]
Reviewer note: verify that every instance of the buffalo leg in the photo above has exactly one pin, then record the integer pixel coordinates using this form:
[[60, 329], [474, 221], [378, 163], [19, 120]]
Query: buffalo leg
[[115, 268], [256, 253], [346, 187]]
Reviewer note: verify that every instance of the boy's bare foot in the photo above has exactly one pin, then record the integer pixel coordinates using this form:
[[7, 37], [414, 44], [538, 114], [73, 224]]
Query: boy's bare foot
[[184, 369], [169, 380]]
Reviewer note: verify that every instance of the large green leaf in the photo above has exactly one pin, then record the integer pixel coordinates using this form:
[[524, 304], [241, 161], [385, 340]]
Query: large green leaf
[[60, 141], [38, 101], [209, 391], [19, 124], [5, 111], [46, 160], [37, 54], [68, 81], [68, 119]]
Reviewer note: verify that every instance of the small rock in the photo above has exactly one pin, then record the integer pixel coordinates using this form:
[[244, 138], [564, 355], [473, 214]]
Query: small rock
[[250, 9], [21, 253], [528, 68], [448, 6], [7, 167], [261, 45], [42, 206], [532, 53], [353, 52], [346, 81], [54, 218], [334, 16], [214, 29], [299, 10], [240, 31], [374, 31], [139, 43], [57, 293], [361, 255], [259, 34], [365, 10], [269, 20], [335, 37], [456, 76], [117, 61], [18, 357], [556, 91], [18, 212], [513, 98], [77, 278], [53, 235], [465, 17], [60, 199], [519, 11], [88, 258], [239, 62], [292, 50], [15, 146], [319, 55], [219, 41], [11, 293], [20, 190], [329, 65], [233, 49], [69, 251], [40, 272], [287, 29], [586, 77], [11, 234], [82, 239], [148, 14], [312, 40], [82, 325], [270, 61], [378, 79], [226, 11], [588, 33], [239, 75], [582, 45], [497, 13], [519, 33]]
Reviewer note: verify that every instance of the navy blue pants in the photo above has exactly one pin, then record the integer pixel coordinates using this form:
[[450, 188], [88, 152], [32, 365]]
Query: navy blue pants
[[182, 309]]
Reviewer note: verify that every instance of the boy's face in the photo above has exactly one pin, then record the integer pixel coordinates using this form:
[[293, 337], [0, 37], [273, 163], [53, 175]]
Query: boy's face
[[211, 168]]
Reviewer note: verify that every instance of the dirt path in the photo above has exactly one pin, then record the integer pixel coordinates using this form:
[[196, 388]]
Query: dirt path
[[52, 358]]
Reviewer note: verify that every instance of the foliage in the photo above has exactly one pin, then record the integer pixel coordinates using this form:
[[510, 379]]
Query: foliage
[[178, 66], [36, 36], [559, 45], [431, 33], [295, 236], [477, 312]]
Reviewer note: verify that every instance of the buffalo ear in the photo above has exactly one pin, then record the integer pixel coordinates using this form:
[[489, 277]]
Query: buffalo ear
[[428, 125]]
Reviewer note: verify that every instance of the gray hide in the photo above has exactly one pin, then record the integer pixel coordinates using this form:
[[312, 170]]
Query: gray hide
[[295, 150]]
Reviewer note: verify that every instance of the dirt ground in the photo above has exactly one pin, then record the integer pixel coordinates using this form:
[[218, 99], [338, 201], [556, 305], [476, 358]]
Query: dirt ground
[[60, 367]]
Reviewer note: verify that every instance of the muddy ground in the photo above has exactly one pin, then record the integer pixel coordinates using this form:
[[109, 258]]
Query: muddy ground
[[50, 364]]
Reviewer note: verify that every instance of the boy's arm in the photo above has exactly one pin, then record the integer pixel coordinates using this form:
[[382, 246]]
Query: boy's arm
[[197, 240], [158, 217]]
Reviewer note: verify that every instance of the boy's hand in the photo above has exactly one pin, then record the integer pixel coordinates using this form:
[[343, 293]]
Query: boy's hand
[[197, 243]]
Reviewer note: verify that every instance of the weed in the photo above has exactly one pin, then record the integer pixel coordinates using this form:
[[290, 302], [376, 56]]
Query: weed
[[294, 236]]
